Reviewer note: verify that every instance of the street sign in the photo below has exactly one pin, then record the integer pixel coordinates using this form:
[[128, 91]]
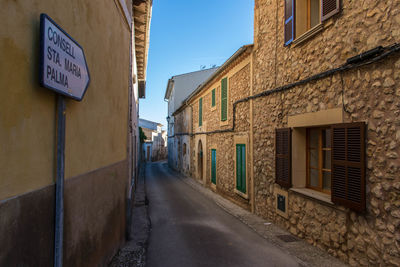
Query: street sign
[[63, 67]]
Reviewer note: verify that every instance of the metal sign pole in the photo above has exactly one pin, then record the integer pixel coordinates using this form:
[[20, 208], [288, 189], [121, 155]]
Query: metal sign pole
[[59, 223]]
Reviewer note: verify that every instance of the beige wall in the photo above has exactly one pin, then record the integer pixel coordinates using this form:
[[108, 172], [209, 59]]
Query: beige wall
[[96, 132]]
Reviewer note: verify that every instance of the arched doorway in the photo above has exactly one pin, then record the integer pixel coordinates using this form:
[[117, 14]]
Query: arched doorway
[[200, 160]]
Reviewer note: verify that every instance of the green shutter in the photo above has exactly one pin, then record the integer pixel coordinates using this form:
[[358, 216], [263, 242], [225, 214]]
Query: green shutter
[[238, 167], [241, 168], [213, 166], [213, 97], [201, 111], [224, 99]]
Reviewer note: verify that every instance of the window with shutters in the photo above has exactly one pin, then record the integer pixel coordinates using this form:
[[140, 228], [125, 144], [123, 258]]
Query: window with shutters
[[303, 17], [241, 168], [319, 159], [213, 97], [334, 164], [224, 99], [200, 111], [214, 166]]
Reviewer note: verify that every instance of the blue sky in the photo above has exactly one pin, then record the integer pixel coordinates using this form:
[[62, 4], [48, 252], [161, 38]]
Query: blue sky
[[185, 35]]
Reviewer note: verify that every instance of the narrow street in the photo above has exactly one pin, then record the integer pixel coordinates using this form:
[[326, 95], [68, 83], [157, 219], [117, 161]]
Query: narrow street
[[188, 229]]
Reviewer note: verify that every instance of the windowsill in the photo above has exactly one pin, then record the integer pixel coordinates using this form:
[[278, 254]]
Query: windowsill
[[214, 108], [313, 194], [243, 195], [308, 34], [223, 123]]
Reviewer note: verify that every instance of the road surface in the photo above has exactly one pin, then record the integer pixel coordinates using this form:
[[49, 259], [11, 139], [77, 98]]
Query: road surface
[[189, 229]]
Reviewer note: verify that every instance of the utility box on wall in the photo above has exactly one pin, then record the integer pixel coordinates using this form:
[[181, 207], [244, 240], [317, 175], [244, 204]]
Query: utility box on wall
[[281, 202]]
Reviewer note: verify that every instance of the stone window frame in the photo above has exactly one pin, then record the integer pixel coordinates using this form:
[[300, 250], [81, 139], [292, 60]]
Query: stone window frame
[[241, 139], [299, 124]]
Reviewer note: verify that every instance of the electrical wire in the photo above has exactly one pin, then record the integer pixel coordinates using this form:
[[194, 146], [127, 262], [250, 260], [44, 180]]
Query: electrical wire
[[383, 53]]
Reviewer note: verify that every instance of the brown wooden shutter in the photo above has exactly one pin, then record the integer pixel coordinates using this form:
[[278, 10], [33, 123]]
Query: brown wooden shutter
[[289, 21], [283, 157], [329, 8], [348, 165]]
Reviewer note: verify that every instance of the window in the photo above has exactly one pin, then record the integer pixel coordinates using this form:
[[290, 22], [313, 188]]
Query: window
[[303, 15], [213, 98], [335, 162], [319, 159], [307, 15], [200, 111], [214, 166], [224, 99], [184, 149], [241, 168]]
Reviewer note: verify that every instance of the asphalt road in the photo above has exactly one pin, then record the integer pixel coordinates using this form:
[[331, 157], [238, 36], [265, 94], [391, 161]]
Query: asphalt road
[[188, 229]]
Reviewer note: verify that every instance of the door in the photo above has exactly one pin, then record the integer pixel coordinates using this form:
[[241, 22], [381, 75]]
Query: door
[[200, 160], [148, 153], [214, 166], [241, 168]]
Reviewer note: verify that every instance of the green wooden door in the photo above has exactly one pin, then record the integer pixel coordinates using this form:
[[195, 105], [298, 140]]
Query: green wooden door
[[241, 167], [214, 166]]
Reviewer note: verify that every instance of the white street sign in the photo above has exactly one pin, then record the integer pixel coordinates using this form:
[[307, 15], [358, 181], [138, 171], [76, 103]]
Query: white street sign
[[63, 65]]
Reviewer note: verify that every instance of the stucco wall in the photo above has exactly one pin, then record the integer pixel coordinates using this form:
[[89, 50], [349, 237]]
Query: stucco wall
[[96, 132]]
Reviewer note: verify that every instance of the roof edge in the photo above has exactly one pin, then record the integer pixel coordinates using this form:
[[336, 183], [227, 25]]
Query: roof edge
[[238, 53]]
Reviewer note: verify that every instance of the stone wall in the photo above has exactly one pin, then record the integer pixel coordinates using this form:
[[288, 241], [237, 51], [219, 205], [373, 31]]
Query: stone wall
[[370, 94], [238, 74]]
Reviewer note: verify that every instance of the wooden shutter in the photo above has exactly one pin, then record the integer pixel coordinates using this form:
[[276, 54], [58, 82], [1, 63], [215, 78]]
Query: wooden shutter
[[283, 157], [213, 97], [200, 111], [224, 99], [213, 165], [348, 165], [329, 8], [289, 21]]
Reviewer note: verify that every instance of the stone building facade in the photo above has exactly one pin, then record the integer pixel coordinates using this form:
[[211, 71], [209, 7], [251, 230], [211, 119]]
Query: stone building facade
[[154, 147], [179, 87], [204, 130], [322, 124], [359, 93]]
